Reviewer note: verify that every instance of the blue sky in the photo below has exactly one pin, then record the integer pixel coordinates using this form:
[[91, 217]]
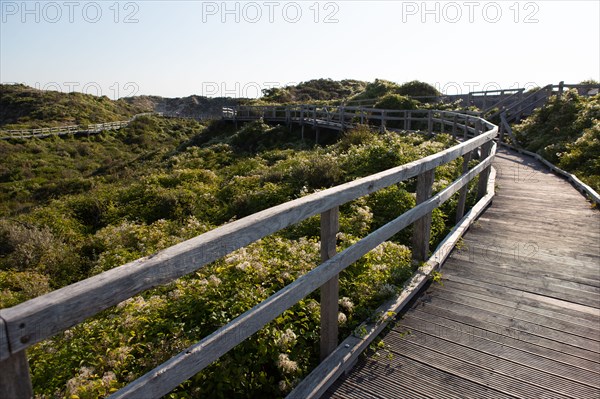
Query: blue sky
[[237, 48]]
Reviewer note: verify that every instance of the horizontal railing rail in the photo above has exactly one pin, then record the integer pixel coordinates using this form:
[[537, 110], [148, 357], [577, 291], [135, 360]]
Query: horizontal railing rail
[[40, 318]]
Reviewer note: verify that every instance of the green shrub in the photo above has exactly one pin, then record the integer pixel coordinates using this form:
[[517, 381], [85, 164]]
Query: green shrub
[[396, 101], [416, 88]]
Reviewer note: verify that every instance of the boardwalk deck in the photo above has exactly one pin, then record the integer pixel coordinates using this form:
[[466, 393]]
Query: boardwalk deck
[[518, 314]]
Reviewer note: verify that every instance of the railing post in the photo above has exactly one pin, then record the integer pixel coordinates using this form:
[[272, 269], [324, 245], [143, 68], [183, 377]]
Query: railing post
[[422, 227], [382, 121], [430, 121], [302, 120], [235, 113], [409, 120], [329, 290], [466, 126], [462, 196], [501, 132], [342, 117], [561, 87], [454, 126], [484, 175], [15, 381]]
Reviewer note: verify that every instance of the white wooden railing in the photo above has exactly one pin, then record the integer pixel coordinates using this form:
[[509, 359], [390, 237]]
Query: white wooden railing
[[40, 318]]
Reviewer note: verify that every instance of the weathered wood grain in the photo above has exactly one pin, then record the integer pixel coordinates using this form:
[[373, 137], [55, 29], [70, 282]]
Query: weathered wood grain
[[422, 227], [15, 382], [329, 290]]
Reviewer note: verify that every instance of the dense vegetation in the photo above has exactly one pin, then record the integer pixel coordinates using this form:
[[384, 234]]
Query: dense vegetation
[[347, 90], [23, 107], [315, 90], [76, 206], [566, 132], [380, 88]]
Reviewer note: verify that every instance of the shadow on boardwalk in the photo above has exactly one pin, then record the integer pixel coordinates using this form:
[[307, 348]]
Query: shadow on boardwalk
[[518, 313]]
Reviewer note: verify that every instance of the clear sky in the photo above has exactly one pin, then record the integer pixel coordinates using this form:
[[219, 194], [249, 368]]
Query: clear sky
[[237, 48]]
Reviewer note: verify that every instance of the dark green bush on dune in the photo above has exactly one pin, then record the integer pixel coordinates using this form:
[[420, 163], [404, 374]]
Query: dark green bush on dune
[[23, 107]]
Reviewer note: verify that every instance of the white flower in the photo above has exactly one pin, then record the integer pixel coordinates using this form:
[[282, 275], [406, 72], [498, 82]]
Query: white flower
[[386, 290], [346, 304], [288, 338], [313, 305], [342, 319], [242, 266], [214, 280], [108, 377], [286, 365], [283, 386]]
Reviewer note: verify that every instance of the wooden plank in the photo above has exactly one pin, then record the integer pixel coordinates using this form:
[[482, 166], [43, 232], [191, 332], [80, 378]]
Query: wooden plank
[[502, 328], [497, 249], [588, 313], [511, 257], [587, 190], [589, 346], [15, 381], [531, 285], [351, 390], [518, 314], [504, 337], [469, 371], [431, 382], [39, 318], [329, 290], [366, 385], [501, 297], [450, 351]]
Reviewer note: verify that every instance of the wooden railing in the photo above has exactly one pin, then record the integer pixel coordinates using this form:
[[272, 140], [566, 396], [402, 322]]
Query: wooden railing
[[66, 130], [345, 117], [40, 318]]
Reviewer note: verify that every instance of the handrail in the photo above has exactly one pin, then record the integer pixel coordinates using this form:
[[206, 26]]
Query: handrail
[[526, 101], [30, 322], [344, 117], [517, 93]]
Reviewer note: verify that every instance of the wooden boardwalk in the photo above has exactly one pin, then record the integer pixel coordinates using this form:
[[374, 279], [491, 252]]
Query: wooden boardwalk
[[518, 314]]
